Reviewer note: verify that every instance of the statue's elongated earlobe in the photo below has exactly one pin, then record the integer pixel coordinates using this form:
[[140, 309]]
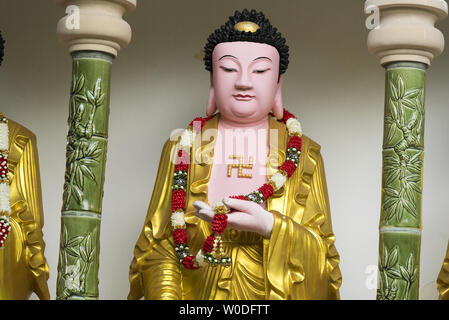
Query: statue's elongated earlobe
[[211, 105], [278, 108]]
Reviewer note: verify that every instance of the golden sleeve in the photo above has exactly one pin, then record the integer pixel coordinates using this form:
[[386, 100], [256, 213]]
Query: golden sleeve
[[301, 259], [317, 218], [293, 262], [155, 270], [32, 218]]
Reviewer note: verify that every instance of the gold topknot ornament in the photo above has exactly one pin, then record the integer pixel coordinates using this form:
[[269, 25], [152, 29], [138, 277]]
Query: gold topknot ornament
[[246, 26]]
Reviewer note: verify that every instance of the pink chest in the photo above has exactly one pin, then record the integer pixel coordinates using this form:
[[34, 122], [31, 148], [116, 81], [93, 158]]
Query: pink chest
[[240, 159]]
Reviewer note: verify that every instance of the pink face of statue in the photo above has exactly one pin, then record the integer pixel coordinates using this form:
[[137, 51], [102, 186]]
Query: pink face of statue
[[245, 80]]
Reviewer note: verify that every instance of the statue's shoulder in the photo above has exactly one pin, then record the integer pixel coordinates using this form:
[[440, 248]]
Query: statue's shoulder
[[310, 154], [173, 139], [310, 145], [19, 138], [16, 129], [210, 122]]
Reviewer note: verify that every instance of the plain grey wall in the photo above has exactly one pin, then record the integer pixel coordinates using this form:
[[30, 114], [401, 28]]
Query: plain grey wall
[[333, 85]]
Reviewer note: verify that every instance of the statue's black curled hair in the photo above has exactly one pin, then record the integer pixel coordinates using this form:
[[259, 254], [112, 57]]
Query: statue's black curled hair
[[265, 34], [2, 47]]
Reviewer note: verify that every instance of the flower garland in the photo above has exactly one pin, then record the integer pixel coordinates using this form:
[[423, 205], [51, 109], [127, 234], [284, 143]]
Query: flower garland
[[5, 209], [212, 251]]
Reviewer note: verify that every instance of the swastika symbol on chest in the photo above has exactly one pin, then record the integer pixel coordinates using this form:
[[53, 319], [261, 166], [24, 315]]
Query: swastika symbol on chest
[[240, 166]]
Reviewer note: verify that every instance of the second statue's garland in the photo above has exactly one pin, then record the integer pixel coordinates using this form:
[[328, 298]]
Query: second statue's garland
[[5, 209], [212, 251]]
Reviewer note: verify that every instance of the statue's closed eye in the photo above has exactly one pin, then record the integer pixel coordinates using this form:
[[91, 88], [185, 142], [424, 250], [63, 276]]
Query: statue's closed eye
[[261, 71], [228, 69]]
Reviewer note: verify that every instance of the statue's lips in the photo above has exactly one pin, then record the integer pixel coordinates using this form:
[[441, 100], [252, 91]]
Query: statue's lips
[[243, 97]]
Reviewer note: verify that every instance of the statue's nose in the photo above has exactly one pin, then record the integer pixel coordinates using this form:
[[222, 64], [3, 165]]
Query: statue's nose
[[243, 82]]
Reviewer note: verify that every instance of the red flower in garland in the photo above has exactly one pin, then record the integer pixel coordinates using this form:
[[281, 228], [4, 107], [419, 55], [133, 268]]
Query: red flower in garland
[[287, 115], [201, 121], [188, 262], [219, 223], [208, 244], [183, 158], [289, 167], [3, 167], [239, 197], [179, 236], [267, 190], [178, 200], [4, 231], [295, 142], [181, 166]]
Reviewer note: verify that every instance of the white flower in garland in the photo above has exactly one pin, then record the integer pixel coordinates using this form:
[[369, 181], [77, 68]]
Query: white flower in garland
[[294, 126], [201, 259], [4, 198], [187, 138], [279, 180], [4, 133], [177, 219], [219, 203]]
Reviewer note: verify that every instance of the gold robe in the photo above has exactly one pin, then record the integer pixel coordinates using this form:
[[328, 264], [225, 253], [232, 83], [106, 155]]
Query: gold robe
[[23, 267], [443, 278], [299, 261]]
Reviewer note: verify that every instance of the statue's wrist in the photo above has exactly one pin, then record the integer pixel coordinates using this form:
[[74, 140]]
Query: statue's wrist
[[268, 224]]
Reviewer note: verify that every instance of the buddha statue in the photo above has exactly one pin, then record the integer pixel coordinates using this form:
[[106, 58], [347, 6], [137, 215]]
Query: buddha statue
[[247, 173], [23, 267]]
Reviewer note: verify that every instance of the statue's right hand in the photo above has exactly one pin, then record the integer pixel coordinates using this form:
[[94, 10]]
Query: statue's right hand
[[244, 216]]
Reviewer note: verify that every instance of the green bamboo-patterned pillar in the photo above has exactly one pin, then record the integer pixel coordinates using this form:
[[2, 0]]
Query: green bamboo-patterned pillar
[[405, 41], [403, 155], [94, 31]]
